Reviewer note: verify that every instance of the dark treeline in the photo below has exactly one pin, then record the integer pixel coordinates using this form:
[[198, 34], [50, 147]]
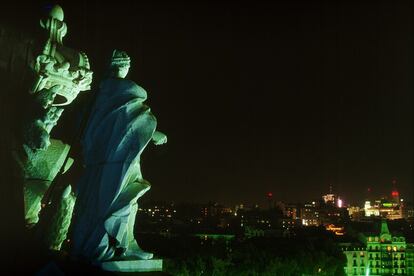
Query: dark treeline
[[305, 254]]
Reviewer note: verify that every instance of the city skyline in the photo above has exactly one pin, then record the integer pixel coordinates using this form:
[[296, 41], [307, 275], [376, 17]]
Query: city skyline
[[270, 198], [305, 96], [285, 97]]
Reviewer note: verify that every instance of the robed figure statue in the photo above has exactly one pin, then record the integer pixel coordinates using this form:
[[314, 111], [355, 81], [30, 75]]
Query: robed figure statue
[[119, 128]]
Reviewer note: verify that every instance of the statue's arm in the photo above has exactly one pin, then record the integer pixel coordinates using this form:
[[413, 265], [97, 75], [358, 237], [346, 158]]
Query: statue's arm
[[159, 138]]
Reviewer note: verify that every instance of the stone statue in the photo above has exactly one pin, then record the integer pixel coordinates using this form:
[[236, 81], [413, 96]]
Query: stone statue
[[119, 128], [59, 74]]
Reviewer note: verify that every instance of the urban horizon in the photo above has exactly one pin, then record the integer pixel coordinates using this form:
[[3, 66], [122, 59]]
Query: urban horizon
[[201, 138]]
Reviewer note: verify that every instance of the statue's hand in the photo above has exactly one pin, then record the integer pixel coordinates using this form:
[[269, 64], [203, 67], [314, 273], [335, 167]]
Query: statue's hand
[[159, 138]]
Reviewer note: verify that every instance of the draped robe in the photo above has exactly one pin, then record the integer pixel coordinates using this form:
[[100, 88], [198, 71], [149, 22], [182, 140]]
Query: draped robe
[[119, 128]]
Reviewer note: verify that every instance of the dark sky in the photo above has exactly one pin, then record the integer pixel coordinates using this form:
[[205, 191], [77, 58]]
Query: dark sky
[[281, 96]]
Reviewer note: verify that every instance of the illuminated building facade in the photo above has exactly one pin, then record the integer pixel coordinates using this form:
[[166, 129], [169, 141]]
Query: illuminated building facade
[[291, 211], [384, 208], [382, 255], [320, 213], [355, 212], [309, 215], [333, 199], [371, 210], [391, 208], [329, 198]]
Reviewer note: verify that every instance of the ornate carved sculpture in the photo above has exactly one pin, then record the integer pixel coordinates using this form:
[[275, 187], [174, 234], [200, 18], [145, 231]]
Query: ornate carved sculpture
[[60, 74]]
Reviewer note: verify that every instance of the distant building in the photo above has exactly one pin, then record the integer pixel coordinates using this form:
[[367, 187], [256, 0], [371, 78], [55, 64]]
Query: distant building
[[371, 210], [389, 209], [380, 255], [332, 199], [355, 213], [291, 211], [329, 199], [289, 224], [214, 209], [330, 214], [160, 211], [309, 214]]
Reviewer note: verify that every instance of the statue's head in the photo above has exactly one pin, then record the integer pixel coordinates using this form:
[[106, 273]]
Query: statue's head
[[120, 63]]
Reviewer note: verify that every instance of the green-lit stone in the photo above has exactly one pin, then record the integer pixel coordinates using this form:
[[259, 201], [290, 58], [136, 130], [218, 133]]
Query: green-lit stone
[[133, 265]]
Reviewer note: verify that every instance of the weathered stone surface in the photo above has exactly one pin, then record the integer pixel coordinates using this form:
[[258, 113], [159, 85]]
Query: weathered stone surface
[[40, 168], [45, 164], [56, 233]]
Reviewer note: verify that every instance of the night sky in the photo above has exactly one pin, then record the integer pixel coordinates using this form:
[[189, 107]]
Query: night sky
[[289, 97]]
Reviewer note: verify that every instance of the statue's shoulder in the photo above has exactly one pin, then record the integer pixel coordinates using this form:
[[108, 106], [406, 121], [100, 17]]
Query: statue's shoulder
[[132, 84], [125, 83], [129, 83], [122, 86], [135, 88]]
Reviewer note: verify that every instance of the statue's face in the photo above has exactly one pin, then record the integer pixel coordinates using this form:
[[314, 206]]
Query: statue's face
[[123, 71]]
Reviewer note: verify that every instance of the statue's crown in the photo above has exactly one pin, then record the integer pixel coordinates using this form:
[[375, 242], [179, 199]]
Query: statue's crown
[[120, 58]]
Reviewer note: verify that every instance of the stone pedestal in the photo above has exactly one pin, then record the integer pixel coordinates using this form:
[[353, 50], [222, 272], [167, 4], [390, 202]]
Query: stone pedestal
[[133, 265]]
